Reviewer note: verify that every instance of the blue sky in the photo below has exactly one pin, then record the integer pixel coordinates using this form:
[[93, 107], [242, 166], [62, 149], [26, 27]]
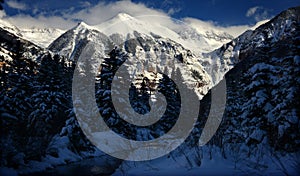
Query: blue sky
[[66, 13], [223, 12]]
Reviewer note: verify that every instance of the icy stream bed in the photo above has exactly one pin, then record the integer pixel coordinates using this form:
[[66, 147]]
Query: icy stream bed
[[94, 166]]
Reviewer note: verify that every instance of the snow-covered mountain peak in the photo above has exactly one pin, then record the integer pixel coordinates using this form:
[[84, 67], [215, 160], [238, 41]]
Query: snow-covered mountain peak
[[81, 25], [124, 24], [74, 40], [123, 16]]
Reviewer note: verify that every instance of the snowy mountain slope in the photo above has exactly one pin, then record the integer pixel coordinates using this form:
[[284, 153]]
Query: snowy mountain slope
[[72, 42], [9, 27], [214, 37], [40, 37], [145, 50], [125, 24], [204, 28], [198, 39], [197, 36], [220, 61], [12, 45], [261, 120]]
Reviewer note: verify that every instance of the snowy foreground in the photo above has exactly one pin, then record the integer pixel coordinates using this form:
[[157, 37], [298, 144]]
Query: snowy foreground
[[181, 164]]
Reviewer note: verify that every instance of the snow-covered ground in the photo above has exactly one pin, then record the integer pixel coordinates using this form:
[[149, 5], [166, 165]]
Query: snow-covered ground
[[209, 161]]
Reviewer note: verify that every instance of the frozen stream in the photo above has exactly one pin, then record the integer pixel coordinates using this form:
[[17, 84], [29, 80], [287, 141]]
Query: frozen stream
[[94, 166]]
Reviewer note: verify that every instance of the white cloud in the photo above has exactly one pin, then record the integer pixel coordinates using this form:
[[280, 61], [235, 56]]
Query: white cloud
[[258, 13], [209, 25], [251, 11], [85, 4], [172, 11], [2, 14], [103, 11], [262, 16], [26, 21], [171, 6], [92, 15], [16, 5]]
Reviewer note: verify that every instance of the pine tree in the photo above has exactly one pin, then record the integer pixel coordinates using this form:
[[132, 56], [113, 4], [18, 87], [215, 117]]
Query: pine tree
[[1, 2], [51, 100]]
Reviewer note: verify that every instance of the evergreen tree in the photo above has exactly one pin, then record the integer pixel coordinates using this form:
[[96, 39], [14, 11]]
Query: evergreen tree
[[1, 2]]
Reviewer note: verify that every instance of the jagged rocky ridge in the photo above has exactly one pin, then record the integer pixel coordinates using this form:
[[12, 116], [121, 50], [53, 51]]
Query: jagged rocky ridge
[[261, 120]]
